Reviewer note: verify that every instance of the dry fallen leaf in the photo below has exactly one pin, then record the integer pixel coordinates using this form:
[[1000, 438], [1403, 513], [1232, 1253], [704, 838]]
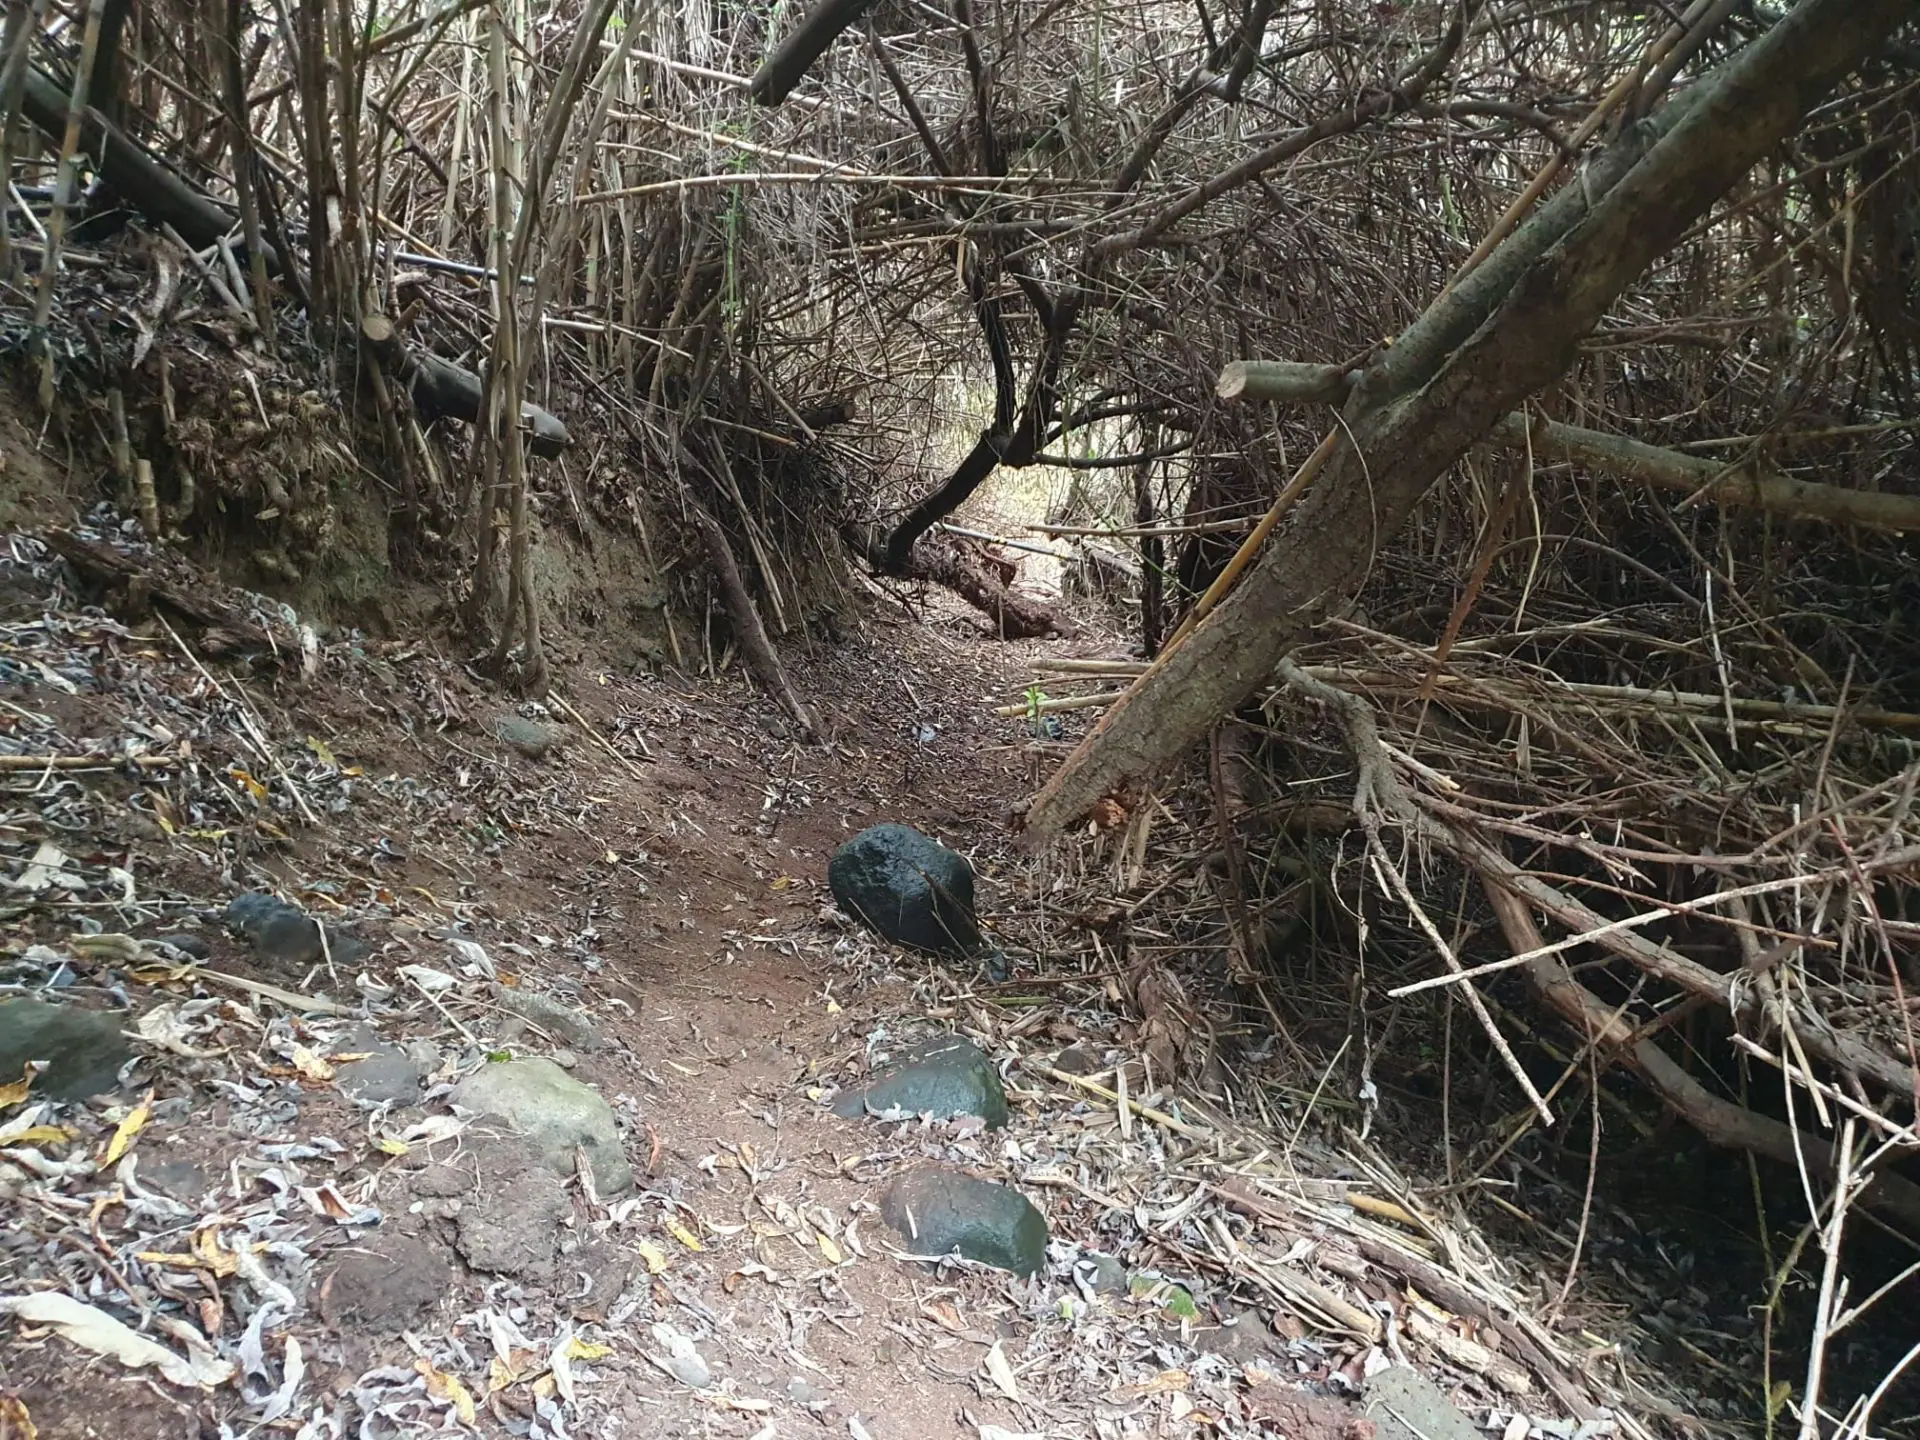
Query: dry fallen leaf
[[124, 1133], [311, 1065], [38, 1135], [685, 1236], [448, 1390], [15, 1093], [15, 1422], [95, 1330], [1001, 1373], [655, 1257]]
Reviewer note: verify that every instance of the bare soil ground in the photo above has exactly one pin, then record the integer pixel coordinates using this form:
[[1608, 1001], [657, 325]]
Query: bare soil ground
[[662, 871], [313, 1259]]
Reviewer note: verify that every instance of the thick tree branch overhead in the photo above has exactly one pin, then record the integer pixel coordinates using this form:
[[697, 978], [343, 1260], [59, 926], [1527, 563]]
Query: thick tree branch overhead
[[1421, 409], [794, 56]]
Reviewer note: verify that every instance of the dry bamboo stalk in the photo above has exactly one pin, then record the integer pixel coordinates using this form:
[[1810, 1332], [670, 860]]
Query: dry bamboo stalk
[[24, 21], [146, 497], [456, 164], [984, 186], [1250, 547], [1146, 1112], [86, 762], [63, 185]]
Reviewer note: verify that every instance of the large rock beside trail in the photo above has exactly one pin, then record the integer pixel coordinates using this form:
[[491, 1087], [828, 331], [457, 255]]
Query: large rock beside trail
[[83, 1049], [939, 1211], [908, 888], [946, 1076], [555, 1112]]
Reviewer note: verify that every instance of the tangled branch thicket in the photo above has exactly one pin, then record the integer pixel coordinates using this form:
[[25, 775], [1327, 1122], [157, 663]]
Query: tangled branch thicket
[[1673, 724]]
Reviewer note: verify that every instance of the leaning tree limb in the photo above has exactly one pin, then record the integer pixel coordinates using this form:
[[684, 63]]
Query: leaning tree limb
[[793, 56], [760, 655], [1749, 484], [1431, 397]]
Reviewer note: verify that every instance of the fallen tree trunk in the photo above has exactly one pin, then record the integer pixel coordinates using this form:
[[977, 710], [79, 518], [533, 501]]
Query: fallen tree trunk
[[129, 169], [1509, 328], [163, 197], [1015, 616], [1752, 486], [440, 387], [226, 629]]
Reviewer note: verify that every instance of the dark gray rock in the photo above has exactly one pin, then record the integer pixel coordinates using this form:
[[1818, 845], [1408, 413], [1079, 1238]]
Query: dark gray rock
[[555, 1112], [187, 943], [444, 1180], [387, 1284], [938, 1211], [83, 1048], [286, 937], [388, 1076], [1243, 1337], [511, 1226], [912, 890], [562, 1022], [1404, 1405], [1075, 1061], [529, 737], [946, 1076], [177, 1178]]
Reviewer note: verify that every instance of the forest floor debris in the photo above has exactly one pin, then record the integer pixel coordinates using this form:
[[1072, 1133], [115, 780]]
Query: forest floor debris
[[298, 1213]]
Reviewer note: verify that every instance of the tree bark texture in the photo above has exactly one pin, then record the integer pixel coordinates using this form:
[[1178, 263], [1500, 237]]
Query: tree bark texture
[[794, 56], [1510, 328], [1753, 486]]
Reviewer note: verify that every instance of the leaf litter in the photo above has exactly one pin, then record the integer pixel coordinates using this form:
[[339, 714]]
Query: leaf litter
[[762, 1254]]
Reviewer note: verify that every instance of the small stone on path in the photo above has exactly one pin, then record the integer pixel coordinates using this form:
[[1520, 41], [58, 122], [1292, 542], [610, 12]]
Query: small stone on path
[[564, 1023], [946, 1076], [910, 889], [531, 738], [388, 1076], [286, 937], [84, 1049], [938, 1211], [1405, 1405], [555, 1111]]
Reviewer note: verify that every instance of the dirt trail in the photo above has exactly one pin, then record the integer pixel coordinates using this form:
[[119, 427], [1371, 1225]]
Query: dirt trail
[[293, 1218], [660, 871]]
